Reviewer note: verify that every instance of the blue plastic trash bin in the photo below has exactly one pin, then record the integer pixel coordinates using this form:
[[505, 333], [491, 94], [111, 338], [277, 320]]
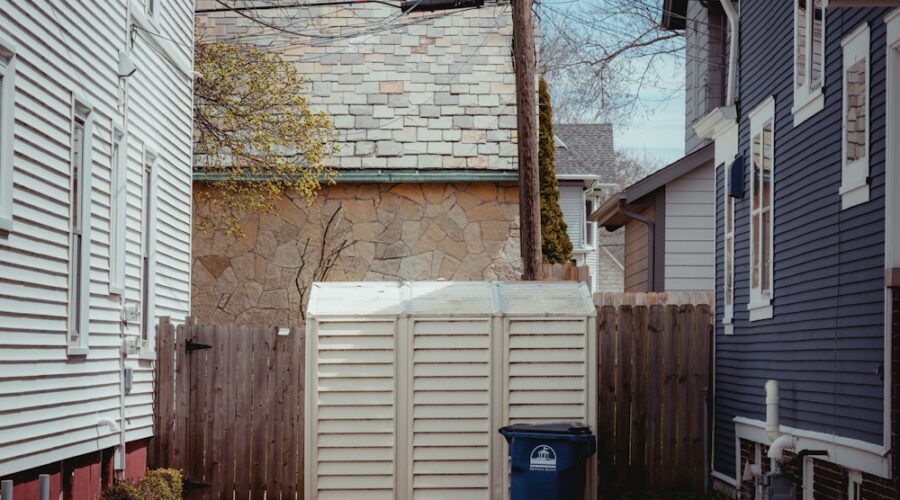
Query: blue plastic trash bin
[[548, 461]]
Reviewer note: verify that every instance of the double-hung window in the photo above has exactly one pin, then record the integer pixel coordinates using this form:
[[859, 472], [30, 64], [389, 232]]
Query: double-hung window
[[117, 206], [148, 255], [80, 226], [762, 190], [855, 157], [588, 223], [809, 58], [7, 92]]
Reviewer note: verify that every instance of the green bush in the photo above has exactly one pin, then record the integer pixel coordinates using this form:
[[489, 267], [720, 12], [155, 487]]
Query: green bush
[[555, 243], [158, 484]]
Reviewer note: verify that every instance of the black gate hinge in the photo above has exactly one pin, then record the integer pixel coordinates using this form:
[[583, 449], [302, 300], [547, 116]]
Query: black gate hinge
[[191, 346]]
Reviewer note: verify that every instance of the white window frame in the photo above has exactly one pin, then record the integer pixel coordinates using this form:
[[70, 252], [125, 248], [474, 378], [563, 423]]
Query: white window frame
[[7, 106], [808, 100], [149, 197], [118, 195], [760, 305], [854, 485], [728, 298], [589, 236], [78, 334], [854, 188]]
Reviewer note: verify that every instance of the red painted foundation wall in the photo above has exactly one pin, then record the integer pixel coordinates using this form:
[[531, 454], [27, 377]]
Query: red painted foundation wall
[[83, 477]]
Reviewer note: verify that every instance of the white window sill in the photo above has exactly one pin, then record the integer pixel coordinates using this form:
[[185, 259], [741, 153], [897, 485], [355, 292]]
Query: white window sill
[[854, 194], [760, 310], [807, 106], [6, 225], [728, 326], [116, 290]]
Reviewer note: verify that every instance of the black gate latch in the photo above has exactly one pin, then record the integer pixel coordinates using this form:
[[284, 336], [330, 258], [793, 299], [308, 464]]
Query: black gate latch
[[191, 346]]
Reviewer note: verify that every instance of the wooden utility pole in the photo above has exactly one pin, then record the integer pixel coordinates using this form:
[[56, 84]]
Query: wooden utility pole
[[526, 107]]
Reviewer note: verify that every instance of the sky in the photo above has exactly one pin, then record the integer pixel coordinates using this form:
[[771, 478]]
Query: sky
[[661, 135], [659, 131]]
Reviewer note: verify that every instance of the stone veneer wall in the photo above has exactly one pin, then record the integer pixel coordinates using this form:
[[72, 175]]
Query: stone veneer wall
[[401, 232]]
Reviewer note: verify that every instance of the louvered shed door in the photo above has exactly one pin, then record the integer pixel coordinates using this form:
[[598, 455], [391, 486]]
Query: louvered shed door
[[354, 417], [450, 410]]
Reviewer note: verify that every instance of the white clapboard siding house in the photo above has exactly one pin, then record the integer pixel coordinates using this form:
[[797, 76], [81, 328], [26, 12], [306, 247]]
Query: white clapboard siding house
[[586, 173], [95, 226]]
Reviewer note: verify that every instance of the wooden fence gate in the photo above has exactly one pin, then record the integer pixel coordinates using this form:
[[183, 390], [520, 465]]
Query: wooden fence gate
[[229, 409], [654, 366]]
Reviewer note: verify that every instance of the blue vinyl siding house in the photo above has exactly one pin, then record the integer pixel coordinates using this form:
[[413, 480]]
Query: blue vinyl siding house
[[805, 245]]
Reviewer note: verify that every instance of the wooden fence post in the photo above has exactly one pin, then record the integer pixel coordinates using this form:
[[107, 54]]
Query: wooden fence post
[[624, 339], [654, 395], [606, 331], [640, 373]]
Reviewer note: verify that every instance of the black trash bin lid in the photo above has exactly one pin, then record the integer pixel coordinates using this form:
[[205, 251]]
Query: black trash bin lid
[[551, 428]]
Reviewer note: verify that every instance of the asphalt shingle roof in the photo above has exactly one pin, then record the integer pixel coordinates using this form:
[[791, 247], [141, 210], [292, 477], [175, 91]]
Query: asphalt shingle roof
[[585, 148]]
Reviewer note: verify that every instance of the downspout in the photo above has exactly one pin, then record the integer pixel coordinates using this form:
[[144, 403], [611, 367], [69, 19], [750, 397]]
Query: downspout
[[733, 19], [651, 229]]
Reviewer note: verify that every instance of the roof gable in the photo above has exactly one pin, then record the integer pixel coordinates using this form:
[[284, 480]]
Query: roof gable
[[585, 149]]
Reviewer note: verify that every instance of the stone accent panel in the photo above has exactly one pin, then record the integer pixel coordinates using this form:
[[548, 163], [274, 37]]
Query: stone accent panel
[[400, 232]]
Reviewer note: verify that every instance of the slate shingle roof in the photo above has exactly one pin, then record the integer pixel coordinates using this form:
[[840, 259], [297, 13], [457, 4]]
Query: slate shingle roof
[[585, 148]]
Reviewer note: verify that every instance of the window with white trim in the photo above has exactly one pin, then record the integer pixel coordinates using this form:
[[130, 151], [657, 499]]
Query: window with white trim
[[855, 119], [148, 254], [7, 102], [117, 204], [728, 313], [854, 485], [80, 227], [762, 191], [809, 58], [588, 223]]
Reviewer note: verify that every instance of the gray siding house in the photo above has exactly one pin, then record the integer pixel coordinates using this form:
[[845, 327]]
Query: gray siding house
[[585, 165], [807, 253]]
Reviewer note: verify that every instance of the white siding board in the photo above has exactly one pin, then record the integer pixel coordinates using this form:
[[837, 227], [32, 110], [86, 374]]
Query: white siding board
[[66, 47], [690, 231], [571, 201]]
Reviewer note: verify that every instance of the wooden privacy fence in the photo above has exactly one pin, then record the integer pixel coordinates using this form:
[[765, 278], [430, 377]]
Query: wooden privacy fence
[[652, 298], [564, 272], [653, 378], [229, 409]]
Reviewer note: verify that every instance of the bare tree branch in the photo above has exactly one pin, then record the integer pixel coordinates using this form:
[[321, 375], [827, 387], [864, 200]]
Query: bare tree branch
[[599, 54]]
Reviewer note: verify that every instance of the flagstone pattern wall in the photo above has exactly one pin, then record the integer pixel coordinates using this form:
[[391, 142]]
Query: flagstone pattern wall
[[399, 232]]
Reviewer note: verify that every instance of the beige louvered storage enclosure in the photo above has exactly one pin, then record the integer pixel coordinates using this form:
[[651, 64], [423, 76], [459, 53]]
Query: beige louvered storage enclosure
[[408, 383]]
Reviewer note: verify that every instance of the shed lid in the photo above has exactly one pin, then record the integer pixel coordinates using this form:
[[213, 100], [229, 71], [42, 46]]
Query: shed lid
[[450, 298]]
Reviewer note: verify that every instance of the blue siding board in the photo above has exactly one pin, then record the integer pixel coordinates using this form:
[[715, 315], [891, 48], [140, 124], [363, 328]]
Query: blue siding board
[[826, 339]]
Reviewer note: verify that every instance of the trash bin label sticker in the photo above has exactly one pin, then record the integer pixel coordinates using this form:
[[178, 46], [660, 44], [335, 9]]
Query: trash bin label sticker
[[543, 458]]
